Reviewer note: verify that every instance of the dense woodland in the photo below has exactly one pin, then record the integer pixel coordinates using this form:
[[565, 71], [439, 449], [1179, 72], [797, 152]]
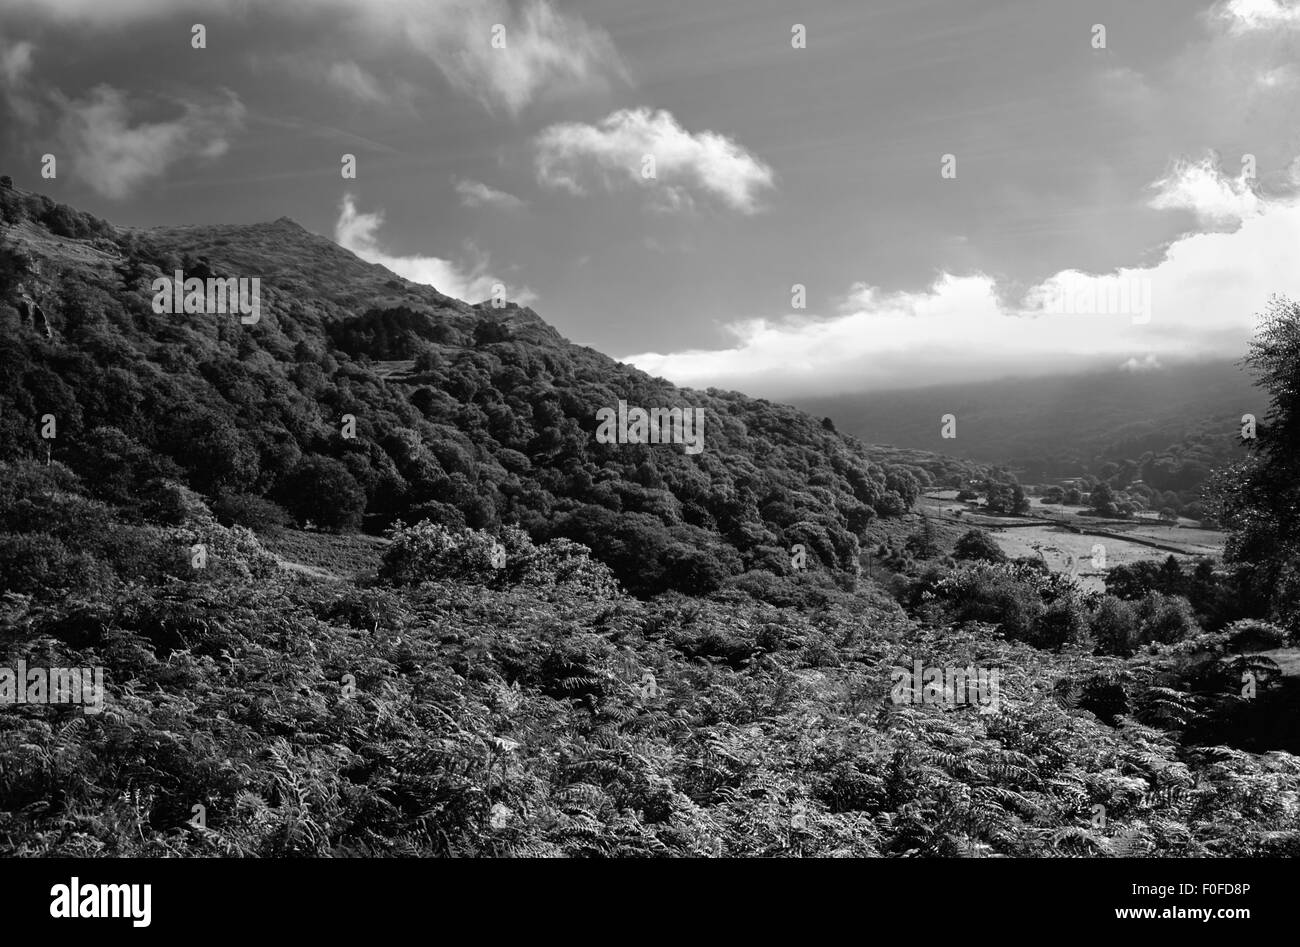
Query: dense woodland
[[564, 647]]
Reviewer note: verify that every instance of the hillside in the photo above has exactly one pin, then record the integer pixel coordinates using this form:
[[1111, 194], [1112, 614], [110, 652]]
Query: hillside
[[468, 415], [361, 578], [1067, 426]]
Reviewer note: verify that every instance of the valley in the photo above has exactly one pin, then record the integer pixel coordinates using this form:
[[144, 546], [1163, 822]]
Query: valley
[[1066, 539], [432, 595]]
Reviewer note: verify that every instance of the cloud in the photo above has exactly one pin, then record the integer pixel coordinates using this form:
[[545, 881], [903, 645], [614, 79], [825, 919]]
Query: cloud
[[545, 51], [1204, 295], [16, 60], [478, 194], [1148, 364], [1245, 16], [1201, 187], [350, 78], [571, 155], [115, 157], [1276, 78], [358, 231], [95, 12]]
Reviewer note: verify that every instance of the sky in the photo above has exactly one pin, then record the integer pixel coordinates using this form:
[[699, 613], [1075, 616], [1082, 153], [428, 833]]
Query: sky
[[789, 199]]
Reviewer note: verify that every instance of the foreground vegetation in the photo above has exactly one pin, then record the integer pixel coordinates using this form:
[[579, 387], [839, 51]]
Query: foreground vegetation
[[464, 704]]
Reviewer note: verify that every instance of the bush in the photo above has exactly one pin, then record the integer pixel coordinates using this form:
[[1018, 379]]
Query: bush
[[1004, 595], [36, 562], [1063, 622], [978, 545], [254, 512], [429, 552], [173, 504], [1165, 619], [1251, 634], [1114, 627]]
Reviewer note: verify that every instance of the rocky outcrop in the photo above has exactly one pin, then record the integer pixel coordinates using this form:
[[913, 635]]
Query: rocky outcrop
[[33, 315]]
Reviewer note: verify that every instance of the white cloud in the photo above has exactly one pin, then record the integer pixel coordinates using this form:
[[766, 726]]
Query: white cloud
[[571, 156], [546, 51], [1204, 296], [95, 12], [358, 231], [115, 157], [1147, 364], [1201, 187], [1244, 16], [350, 78], [16, 60], [478, 194], [1276, 78]]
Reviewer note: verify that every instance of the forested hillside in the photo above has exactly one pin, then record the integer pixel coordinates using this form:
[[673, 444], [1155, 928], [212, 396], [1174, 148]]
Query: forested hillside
[[358, 399], [1174, 424], [565, 647]]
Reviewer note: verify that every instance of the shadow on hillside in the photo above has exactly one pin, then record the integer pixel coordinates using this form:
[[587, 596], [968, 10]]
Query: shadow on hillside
[[1271, 721]]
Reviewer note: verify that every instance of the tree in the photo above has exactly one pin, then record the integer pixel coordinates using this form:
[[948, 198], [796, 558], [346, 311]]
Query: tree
[[902, 482], [922, 544], [1005, 496], [1063, 622], [1132, 580], [320, 490], [1103, 500], [1165, 619], [979, 545], [1170, 578], [1114, 627], [1168, 515], [1259, 500], [1019, 502]]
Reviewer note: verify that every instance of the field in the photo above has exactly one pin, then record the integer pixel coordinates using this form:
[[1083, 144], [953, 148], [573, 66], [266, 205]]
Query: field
[[325, 555], [1050, 532], [1066, 551]]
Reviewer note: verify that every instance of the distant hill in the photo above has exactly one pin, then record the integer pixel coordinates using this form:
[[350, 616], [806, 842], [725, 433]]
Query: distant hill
[[1067, 426]]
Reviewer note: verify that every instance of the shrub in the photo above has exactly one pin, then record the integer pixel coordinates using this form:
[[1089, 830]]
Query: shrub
[[979, 545], [430, 551], [1063, 622], [1165, 619], [1251, 634], [1114, 627], [256, 513], [36, 562], [1005, 595]]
